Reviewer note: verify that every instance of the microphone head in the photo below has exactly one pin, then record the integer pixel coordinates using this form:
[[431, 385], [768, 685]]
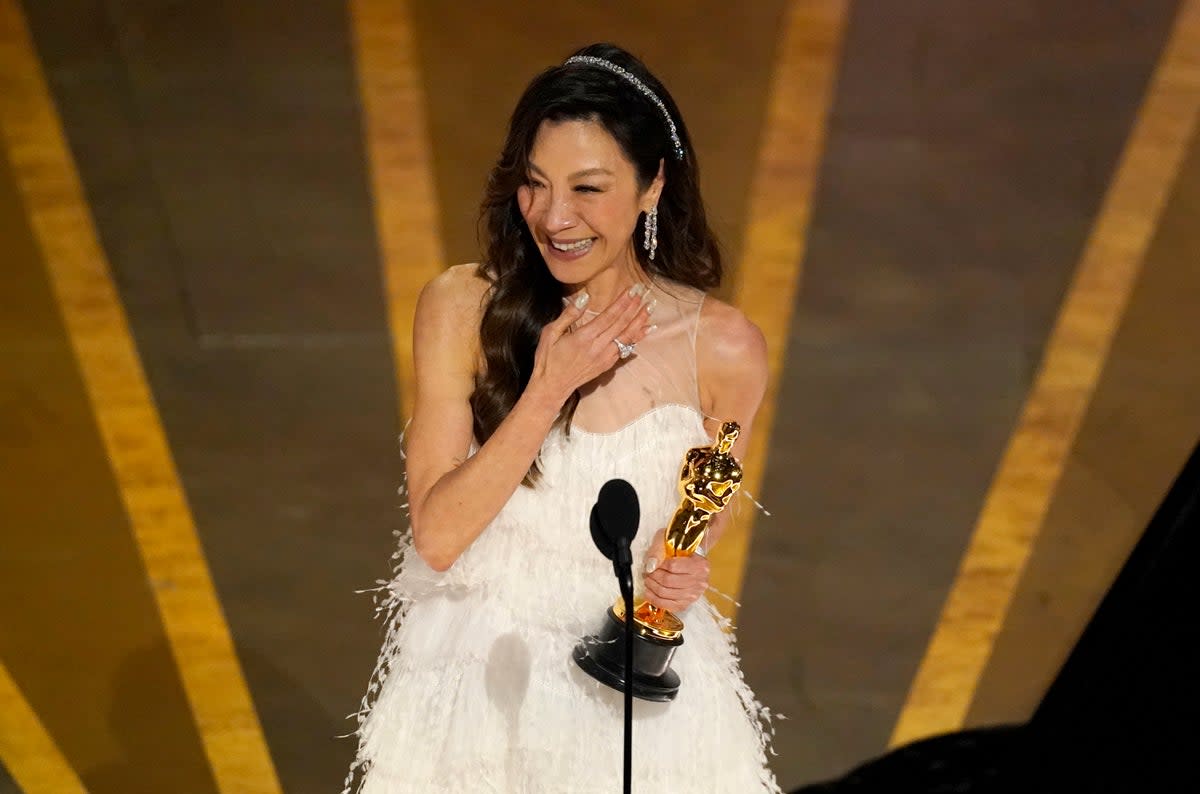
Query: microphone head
[[606, 545], [615, 517]]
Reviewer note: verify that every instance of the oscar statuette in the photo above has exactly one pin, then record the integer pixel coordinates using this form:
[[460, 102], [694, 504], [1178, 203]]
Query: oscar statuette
[[708, 479]]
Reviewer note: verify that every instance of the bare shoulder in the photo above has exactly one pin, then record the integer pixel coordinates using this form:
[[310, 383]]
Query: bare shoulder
[[458, 290], [731, 362], [727, 339], [448, 314]]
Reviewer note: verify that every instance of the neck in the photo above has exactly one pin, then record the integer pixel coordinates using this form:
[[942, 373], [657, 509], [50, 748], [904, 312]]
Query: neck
[[609, 284]]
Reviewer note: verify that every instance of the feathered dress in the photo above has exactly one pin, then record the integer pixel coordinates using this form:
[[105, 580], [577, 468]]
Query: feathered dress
[[475, 689]]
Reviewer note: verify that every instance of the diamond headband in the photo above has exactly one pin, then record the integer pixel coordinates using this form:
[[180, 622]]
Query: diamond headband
[[592, 60]]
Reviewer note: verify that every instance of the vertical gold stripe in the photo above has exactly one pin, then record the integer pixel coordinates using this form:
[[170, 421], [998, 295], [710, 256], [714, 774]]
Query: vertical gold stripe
[[780, 207], [1024, 484], [28, 751], [402, 182], [127, 419]]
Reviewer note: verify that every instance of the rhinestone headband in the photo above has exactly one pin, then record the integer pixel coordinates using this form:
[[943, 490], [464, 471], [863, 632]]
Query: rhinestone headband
[[592, 60]]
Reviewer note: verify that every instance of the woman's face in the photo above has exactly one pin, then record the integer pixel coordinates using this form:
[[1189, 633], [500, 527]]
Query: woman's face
[[581, 201]]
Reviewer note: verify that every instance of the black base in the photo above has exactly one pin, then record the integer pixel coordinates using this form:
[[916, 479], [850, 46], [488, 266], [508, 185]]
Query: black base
[[602, 656]]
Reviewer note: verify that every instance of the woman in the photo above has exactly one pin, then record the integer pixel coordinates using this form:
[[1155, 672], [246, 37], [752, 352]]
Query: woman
[[581, 350]]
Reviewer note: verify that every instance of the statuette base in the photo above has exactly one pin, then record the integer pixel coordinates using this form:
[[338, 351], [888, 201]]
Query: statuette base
[[602, 656]]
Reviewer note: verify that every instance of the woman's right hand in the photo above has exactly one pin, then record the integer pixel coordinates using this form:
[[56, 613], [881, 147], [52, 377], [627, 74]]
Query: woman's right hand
[[566, 359]]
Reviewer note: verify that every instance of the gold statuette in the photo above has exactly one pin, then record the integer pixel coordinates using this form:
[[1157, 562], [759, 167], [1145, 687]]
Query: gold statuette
[[709, 478]]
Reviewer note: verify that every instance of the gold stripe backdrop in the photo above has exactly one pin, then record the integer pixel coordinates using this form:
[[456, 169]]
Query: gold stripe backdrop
[[1039, 447], [406, 212], [780, 208], [28, 751], [128, 420]]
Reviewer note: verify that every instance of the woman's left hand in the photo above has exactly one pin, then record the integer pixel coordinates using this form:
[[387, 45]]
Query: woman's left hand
[[674, 583]]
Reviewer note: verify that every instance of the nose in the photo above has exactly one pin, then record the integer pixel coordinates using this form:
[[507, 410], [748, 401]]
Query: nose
[[560, 214]]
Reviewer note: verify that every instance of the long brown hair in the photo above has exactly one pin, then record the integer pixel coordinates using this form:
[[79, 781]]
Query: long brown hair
[[524, 296]]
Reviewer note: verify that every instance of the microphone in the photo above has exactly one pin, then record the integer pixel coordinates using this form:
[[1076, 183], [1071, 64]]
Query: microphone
[[614, 523]]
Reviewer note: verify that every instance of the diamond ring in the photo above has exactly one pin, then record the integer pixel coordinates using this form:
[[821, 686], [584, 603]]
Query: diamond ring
[[625, 350]]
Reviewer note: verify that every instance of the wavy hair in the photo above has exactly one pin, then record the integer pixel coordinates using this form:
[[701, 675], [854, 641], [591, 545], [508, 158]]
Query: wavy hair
[[524, 296]]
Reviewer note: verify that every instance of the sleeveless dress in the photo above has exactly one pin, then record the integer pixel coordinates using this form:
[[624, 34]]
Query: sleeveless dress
[[475, 689]]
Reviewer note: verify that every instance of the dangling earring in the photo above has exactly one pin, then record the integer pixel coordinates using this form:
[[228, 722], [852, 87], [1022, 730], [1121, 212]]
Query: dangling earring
[[650, 243]]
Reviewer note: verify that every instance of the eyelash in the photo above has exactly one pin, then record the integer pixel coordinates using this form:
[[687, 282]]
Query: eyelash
[[533, 183]]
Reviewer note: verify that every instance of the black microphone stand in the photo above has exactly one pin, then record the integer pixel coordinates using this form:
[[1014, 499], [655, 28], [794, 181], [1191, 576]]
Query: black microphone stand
[[613, 524], [623, 567]]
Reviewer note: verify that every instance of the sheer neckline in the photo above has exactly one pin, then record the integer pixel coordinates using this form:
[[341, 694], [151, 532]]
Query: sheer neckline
[[695, 412], [662, 370], [657, 288]]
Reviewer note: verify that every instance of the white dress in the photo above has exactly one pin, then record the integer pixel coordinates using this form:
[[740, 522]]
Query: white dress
[[476, 691]]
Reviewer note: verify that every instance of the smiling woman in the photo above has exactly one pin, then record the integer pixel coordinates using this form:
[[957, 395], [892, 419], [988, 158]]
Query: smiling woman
[[582, 349], [590, 160], [593, 209]]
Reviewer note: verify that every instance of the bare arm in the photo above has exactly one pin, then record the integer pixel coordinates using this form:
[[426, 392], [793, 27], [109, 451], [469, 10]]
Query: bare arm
[[452, 497], [731, 358], [731, 361]]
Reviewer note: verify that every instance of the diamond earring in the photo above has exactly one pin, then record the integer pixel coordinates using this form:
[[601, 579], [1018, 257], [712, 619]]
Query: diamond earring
[[650, 243]]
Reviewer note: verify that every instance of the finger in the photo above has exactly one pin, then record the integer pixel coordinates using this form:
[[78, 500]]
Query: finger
[[685, 562], [674, 578], [681, 590], [667, 599], [573, 309], [668, 588], [677, 581], [641, 324], [666, 583], [655, 551], [691, 565], [606, 324], [604, 343], [675, 603]]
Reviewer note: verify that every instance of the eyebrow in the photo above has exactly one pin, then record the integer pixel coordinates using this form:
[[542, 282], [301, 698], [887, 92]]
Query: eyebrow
[[577, 174]]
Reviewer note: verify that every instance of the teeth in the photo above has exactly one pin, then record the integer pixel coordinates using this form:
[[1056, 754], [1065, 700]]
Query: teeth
[[576, 246]]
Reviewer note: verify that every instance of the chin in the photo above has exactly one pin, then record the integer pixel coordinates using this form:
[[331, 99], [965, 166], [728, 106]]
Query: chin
[[569, 277], [571, 273]]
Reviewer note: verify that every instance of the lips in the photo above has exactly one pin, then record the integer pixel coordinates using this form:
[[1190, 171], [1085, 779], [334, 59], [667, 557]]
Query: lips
[[572, 245], [569, 250]]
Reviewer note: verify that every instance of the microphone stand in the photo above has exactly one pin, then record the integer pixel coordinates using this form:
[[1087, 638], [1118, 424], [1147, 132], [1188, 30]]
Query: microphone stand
[[623, 566]]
